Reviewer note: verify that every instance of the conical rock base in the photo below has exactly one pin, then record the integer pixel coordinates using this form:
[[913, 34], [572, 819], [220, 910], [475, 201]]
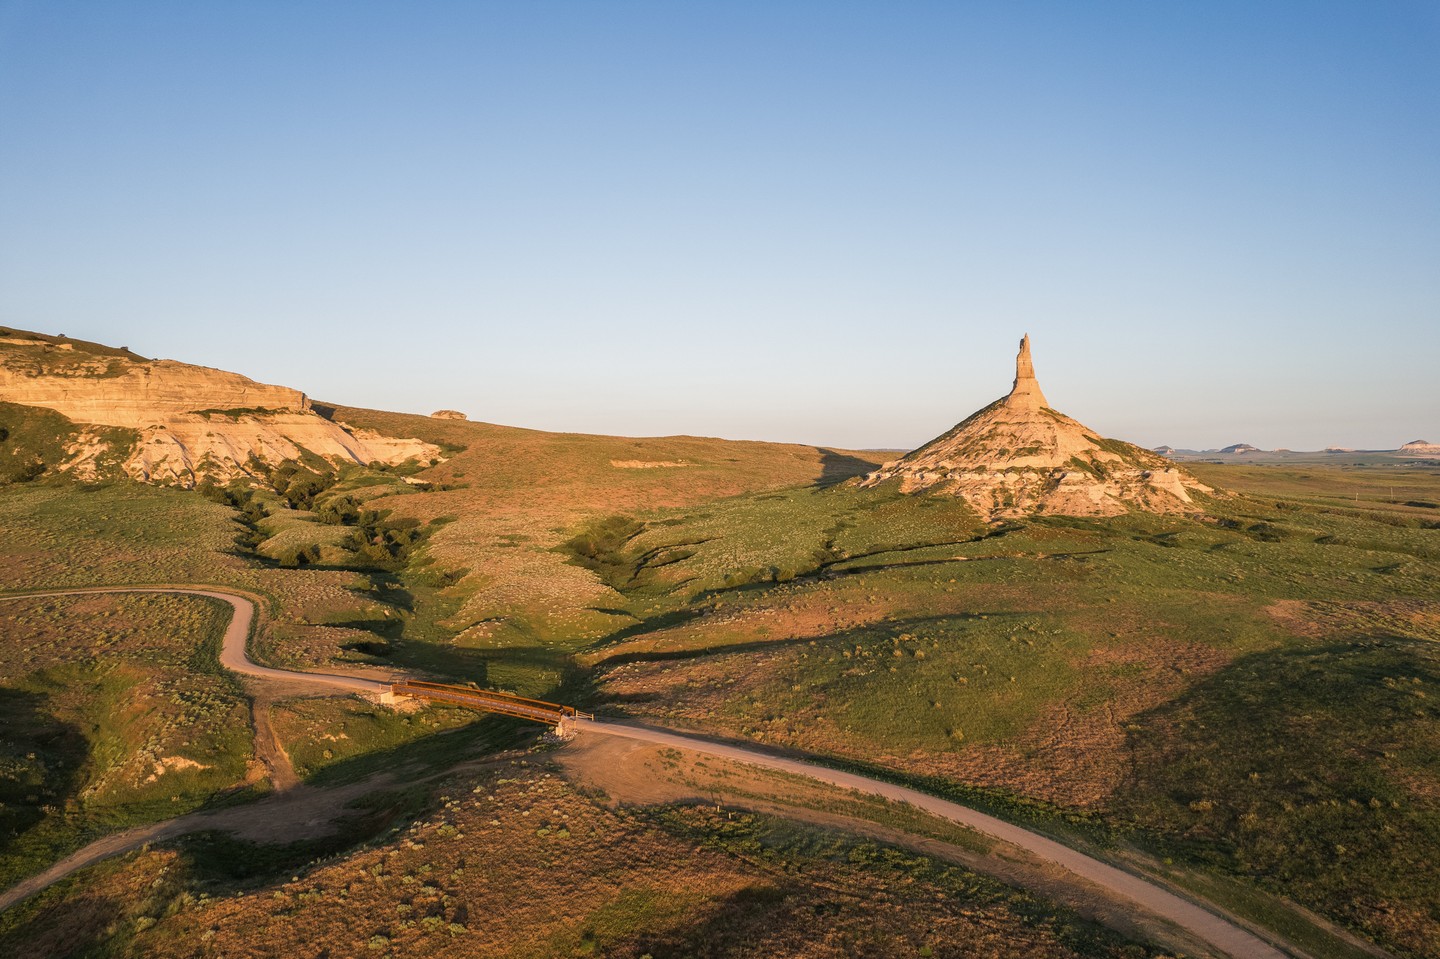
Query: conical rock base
[[1017, 457]]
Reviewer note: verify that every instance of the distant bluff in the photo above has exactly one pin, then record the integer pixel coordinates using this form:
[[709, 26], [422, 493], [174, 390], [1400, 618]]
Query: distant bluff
[[168, 422], [118, 388], [1018, 456]]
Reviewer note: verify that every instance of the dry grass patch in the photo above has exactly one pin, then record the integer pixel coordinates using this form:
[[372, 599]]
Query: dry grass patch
[[517, 863]]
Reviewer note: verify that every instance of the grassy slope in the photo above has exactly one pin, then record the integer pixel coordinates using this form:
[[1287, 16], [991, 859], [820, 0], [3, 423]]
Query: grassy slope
[[49, 351], [99, 689], [1255, 695], [515, 862], [336, 610], [121, 717], [512, 497], [1096, 667]]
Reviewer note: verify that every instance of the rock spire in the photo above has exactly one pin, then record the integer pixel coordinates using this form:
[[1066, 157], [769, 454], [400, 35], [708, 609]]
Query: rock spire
[[1025, 394], [1018, 456]]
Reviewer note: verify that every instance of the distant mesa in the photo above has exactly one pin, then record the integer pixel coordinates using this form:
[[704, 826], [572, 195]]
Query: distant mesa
[[1420, 448], [1165, 450], [1018, 456], [448, 415], [162, 421], [1242, 448]]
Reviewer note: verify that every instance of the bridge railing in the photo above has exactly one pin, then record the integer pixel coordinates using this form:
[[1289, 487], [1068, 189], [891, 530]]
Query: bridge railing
[[488, 700]]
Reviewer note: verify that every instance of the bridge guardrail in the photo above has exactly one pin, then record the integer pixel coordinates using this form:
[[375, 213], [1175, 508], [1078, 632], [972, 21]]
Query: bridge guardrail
[[492, 701]]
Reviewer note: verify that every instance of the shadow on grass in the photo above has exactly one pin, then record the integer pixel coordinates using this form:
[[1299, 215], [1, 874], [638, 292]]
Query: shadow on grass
[[843, 638], [218, 860], [1317, 741], [44, 763], [52, 924], [431, 753], [832, 569], [650, 624], [736, 923], [837, 468], [837, 566], [1311, 771]]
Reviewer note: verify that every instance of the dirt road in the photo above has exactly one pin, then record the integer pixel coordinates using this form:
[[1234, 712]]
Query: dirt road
[[1221, 933], [233, 653], [1225, 935]]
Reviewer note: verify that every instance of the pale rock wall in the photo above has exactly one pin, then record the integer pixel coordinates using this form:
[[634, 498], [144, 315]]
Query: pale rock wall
[[185, 448], [144, 392], [163, 401]]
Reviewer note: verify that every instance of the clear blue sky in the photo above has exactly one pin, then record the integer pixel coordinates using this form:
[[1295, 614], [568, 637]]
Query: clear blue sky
[[822, 222]]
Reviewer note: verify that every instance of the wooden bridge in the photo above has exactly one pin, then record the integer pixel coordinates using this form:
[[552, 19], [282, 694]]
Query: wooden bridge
[[490, 701]]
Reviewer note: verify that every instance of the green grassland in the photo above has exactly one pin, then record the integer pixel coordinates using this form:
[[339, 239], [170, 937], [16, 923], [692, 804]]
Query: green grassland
[[513, 606], [1251, 691], [345, 563], [342, 739], [97, 690], [120, 718], [34, 441]]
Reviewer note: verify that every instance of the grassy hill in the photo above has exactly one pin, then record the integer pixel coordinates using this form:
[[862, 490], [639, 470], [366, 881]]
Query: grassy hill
[[360, 567], [507, 499], [1249, 694], [1252, 692]]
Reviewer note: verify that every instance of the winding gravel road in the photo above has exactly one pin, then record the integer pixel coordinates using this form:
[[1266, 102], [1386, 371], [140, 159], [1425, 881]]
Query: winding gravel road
[[1222, 933], [233, 653]]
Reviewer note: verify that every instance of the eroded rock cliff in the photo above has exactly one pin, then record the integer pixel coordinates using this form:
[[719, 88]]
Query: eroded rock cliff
[[188, 423]]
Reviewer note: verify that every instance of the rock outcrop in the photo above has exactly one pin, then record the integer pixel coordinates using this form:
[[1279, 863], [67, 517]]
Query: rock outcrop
[[1419, 448], [189, 423], [448, 415], [118, 392], [1018, 456]]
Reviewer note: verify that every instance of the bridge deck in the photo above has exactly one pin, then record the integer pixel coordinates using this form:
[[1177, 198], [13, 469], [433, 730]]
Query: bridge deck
[[488, 700]]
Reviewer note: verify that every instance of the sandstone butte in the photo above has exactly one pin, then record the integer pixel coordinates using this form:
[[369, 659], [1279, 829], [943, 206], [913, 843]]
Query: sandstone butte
[[1018, 456], [189, 422]]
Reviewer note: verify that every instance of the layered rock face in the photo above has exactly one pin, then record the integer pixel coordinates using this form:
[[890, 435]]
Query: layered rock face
[[1018, 456], [117, 392], [190, 422], [1419, 448]]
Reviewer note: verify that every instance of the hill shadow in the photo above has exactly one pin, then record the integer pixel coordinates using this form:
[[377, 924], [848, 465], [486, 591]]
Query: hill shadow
[[837, 468], [46, 757], [843, 637], [1302, 736]]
